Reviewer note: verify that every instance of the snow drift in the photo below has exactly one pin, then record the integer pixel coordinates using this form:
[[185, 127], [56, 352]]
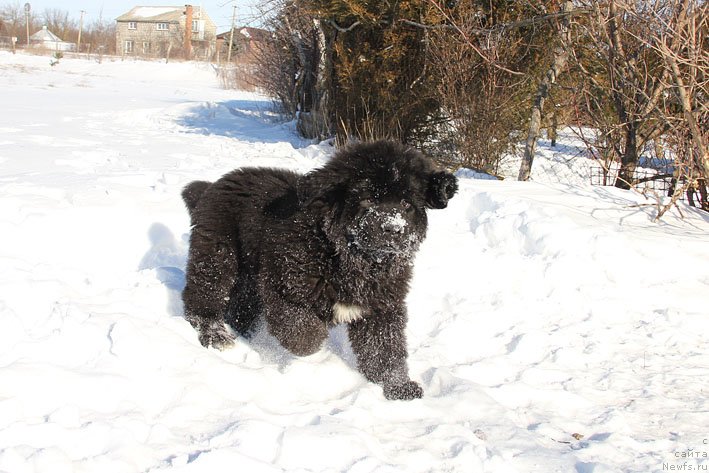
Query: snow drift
[[553, 326]]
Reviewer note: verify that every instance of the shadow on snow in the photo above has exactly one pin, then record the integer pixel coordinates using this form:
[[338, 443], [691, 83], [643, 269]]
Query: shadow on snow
[[167, 256], [253, 121]]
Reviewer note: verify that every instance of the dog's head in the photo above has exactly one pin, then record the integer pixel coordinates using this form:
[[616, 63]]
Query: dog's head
[[373, 198]]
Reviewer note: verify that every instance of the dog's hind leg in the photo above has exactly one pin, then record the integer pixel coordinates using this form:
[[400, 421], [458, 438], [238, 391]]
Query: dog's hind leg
[[211, 271], [244, 307], [296, 327]]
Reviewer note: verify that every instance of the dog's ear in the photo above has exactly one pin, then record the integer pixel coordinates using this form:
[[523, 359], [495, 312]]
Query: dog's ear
[[442, 186], [318, 188]]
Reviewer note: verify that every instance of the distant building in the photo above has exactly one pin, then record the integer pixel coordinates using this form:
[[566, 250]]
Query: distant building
[[246, 43], [155, 31], [48, 40]]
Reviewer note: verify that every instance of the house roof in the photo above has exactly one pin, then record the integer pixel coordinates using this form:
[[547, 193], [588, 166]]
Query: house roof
[[255, 34], [159, 14], [45, 35]]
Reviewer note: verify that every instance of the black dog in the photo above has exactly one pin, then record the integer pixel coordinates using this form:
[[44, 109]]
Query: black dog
[[305, 252]]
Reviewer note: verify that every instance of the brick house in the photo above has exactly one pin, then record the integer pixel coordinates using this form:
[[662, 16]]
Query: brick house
[[246, 43], [160, 31]]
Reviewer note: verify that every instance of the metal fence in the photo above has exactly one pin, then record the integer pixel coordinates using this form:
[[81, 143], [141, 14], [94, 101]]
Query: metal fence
[[643, 179]]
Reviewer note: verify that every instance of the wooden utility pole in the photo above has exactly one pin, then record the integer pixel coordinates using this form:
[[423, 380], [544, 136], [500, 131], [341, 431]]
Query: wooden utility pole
[[27, 22], [231, 36], [81, 26], [189, 15]]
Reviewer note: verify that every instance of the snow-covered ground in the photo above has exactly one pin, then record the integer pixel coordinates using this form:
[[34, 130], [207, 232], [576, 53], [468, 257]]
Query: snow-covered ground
[[554, 327]]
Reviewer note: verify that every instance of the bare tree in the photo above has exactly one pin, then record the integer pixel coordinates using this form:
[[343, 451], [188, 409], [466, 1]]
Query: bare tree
[[560, 57], [58, 22], [13, 15], [99, 36], [618, 69], [682, 45], [291, 66], [479, 102], [487, 58], [648, 61]]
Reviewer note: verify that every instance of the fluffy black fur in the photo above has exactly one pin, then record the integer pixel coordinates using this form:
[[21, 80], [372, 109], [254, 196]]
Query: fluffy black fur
[[304, 252]]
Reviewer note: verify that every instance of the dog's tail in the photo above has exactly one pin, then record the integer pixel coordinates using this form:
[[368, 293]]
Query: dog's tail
[[192, 193]]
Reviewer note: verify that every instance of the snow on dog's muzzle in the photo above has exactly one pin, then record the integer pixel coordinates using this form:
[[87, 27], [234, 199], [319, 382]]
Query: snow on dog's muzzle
[[384, 230]]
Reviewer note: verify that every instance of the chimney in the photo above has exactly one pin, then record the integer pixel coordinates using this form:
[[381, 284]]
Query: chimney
[[188, 31]]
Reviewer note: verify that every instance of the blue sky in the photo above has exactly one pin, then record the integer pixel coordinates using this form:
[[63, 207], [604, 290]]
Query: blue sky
[[220, 11]]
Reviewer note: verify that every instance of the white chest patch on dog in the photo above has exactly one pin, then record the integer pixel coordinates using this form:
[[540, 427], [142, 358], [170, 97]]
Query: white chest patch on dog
[[346, 313]]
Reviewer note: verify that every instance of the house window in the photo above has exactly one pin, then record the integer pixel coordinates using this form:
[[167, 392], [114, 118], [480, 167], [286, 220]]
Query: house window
[[132, 25], [146, 47], [162, 26], [128, 46], [195, 26]]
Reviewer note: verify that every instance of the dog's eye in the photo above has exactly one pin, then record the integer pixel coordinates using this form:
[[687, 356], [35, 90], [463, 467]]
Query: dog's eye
[[366, 203], [406, 204]]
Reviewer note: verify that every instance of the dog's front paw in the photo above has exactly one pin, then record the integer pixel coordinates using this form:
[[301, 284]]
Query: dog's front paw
[[217, 336], [405, 392]]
